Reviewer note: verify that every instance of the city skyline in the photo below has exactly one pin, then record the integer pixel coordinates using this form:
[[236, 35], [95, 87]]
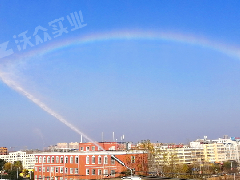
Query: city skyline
[[159, 70]]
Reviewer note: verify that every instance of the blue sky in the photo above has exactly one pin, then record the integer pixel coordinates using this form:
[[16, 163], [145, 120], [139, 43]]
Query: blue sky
[[158, 89]]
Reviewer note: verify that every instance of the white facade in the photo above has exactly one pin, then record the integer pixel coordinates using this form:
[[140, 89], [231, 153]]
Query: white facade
[[28, 160], [219, 150]]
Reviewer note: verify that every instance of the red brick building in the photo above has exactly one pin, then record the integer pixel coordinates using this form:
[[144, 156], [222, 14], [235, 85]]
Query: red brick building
[[87, 164], [108, 146]]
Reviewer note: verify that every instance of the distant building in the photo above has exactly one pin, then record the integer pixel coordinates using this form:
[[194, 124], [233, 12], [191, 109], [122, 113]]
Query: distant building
[[64, 147], [218, 150], [28, 160], [3, 151]]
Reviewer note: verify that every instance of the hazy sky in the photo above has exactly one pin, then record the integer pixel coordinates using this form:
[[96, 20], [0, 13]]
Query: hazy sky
[[168, 71]]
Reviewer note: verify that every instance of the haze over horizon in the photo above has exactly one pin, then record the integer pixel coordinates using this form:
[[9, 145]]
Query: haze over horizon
[[116, 74]]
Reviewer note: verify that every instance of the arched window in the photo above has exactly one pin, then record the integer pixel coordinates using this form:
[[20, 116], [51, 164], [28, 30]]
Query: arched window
[[66, 159], [52, 159], [48, 159], [87, 160], [57, 159], [99, 160]]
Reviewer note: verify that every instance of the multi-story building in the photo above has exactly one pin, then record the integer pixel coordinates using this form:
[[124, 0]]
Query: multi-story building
[[28, 160], [219, 150], [3, 151], [180, 154], [87, 164], [108, 146]]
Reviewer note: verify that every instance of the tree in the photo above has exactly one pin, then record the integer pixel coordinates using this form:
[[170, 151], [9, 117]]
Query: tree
[[2, 162], [230, 166], [13, 170], [147, 146], [7, 167], [25, 173]]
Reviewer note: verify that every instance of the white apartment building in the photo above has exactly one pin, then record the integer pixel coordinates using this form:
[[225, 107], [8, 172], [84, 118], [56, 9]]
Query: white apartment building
[[28, 160], [219, 150], [180, 154]]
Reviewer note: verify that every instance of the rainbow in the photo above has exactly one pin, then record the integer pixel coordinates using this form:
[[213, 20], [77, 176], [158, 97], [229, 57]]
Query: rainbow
[[54, 44]]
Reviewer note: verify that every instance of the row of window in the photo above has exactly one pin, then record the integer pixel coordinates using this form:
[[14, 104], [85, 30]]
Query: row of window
[[88, 148], [74, 170], [50, 178], [61, 160], [105, 172], [99, 160], [58, 160], [57, 170]]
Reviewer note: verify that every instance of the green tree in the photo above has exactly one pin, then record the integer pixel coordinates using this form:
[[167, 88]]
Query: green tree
[[13, 170], [2, 162]]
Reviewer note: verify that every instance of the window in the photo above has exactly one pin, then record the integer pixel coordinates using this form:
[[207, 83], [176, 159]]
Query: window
[[61, 178], [47, 169], [40, 159], [93, 148], [87, 171], [105, 159], [61, 169], [71, 159], [81, 149], [99, 172], [52, 159], [52, 169], [93, 172], [36, 159], [87, 148], [56, 169], [132, 159], [112, 161], [105, 172], [57, 159], [71, 170], [48, 159], [87, 160], [93, 160], [35, 176], [66, 170], [35, 168], [76, 170], [76, 159], [43, 169], [44, 159], [39, 169], [99, 160], [66, 159], [112, 172], [61, 159]]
